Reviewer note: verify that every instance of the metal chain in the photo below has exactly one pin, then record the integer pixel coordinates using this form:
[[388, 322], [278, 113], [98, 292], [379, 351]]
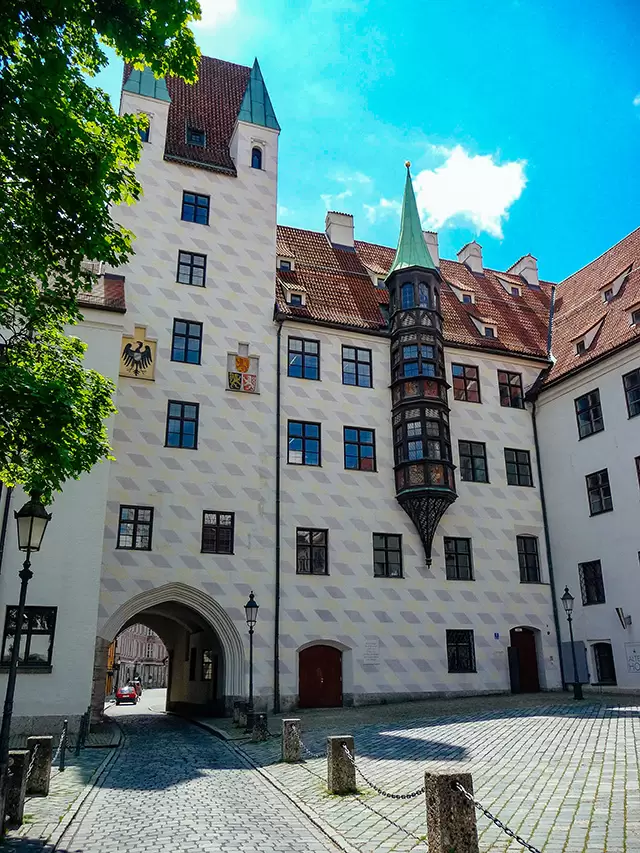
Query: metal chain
[[373, 785], [33, 760], [305, 748], [63, 736], [496, 820]]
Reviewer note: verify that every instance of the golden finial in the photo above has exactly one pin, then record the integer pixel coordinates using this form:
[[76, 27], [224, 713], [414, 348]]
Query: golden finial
[[407, 163]]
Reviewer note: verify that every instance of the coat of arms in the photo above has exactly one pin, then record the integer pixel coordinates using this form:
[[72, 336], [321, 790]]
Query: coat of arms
[[242, 371], [138, 355]]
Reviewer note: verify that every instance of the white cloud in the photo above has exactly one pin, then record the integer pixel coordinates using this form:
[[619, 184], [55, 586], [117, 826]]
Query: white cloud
[[356, 178], [471, 187], [636, 100], [383, 208], [214, 12], [331, 199]]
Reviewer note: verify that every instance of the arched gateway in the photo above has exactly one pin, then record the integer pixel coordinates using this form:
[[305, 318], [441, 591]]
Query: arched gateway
[[206, 655]]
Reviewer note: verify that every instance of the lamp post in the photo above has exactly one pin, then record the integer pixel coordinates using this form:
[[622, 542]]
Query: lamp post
[[251, 615], [567, 602], [32, 522]]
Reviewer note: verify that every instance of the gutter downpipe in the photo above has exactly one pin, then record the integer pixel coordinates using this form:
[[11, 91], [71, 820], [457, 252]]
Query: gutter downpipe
[[5, 522], [545, 520], [276, 610]]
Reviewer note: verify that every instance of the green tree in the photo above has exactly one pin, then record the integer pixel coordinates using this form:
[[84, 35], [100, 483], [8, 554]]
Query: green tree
[[65, 158]]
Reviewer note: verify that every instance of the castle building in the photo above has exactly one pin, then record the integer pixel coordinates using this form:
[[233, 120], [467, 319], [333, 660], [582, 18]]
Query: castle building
[[379, 443]]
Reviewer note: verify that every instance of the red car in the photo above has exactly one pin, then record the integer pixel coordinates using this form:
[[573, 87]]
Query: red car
[[126, 693]]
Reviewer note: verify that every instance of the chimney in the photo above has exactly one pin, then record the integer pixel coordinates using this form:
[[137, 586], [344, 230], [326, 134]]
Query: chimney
[[471, 255], [339, 229], [431, 239], [527, 267]]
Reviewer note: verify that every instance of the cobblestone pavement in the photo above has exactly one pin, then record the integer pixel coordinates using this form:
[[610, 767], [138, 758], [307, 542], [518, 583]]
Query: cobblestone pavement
[[174, 787], [562, 774]]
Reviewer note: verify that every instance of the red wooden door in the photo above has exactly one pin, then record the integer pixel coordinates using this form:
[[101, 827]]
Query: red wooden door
[[320, 677], [524, 640]]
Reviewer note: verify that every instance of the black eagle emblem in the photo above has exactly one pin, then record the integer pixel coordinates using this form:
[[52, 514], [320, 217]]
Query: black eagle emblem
[[137, 358]]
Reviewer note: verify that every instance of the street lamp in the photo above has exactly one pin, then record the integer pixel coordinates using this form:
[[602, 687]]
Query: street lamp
[[567, 602], [32, 522], [251, 615]]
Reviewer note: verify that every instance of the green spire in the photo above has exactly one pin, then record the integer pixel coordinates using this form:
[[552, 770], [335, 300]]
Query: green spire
[[256, 107], [412, 250]]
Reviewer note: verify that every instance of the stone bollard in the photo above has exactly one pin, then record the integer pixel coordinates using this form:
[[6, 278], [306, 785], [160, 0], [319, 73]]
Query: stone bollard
[[451, 818], [38, 782], [291, 740], [341, 773], [17, 786], [260, 730], [242, 715]]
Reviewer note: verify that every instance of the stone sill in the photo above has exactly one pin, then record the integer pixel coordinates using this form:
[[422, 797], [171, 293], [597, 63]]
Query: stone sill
[[28, 670]]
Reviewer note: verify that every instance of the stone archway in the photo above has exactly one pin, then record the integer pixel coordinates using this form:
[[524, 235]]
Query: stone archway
[[160, 601]]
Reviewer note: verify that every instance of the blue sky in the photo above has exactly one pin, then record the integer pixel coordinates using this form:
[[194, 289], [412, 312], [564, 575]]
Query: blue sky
[[518, 116]]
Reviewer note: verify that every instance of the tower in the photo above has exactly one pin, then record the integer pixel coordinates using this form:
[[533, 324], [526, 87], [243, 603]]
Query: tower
[[424, 478]]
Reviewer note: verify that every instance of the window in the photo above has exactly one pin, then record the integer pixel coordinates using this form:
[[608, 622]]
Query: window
[[191, 268], [207, 665], [256, 158], [144, 131], [608, 294], [580, 347], [473, 461], [387, 555], [356, 367], [311, 552], [510, 387], [589, 414], [407, 296], [304, 359], [36, 637], [217, 532], [186, 344], [466, 383], [489, 332], [195, 208], [460, 651], [423, 295], [296, 300], [303, 443], [418, 360], [591, 585], [467, 299], [134, 528], [605, 667], [285, 266], [359, 449], [457, 557], [631, 382], [599, 492], [635, 316], [515, 291], [528, 559], [196, 137], [182, 425], [518, 464]]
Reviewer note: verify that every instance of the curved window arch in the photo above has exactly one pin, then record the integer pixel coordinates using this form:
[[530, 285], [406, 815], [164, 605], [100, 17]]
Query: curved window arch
[[423, 295], [256, 158], [408, 299]]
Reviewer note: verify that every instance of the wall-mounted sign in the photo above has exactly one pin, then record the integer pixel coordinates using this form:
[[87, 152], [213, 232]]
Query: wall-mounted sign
[[633, 657], [138, 355], [371, 651]]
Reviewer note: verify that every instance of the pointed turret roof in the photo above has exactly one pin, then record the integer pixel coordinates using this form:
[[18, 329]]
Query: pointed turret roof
[[256, 106], [412, 250]]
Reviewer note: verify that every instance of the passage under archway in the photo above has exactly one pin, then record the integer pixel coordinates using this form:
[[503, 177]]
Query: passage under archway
[[320, 677]]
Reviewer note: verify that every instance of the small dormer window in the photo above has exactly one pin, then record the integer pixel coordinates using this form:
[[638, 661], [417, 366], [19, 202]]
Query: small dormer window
[[380, 282], [196, 137], [580, 347], [489, 332], [635, 317], [296, 300], [608, 294], [515, 291], [467, 299], [285, 266], [256, 158]]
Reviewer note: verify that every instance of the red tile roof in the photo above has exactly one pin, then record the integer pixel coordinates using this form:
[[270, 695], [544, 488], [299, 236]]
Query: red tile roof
[[339, 290], [107, 294], [579, 306], [212, 104]]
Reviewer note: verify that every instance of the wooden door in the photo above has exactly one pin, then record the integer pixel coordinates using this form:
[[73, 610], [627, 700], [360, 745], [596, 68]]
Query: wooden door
[[320, 677], [524, 641]]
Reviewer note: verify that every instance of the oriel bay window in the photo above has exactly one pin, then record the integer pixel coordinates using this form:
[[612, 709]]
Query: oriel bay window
[[36, 639], [421, 438], [416, 357], [311, 551], [359, 449]]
